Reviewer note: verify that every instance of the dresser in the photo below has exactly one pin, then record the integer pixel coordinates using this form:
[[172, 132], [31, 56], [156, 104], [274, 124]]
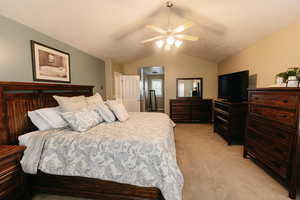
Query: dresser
[[230, 120], [12, 184], [191, 110], [272, 134]]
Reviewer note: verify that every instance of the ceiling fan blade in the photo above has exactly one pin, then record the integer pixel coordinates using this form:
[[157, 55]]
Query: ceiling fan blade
[[187, 37], [201, 21], [127, 29], [152, 39], [183, 27], [157, 29]]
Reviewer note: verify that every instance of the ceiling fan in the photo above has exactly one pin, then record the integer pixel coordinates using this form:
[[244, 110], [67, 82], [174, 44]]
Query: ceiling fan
[[170, 37]]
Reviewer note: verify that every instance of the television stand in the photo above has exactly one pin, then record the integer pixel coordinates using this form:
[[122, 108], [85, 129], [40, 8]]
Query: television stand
[[230, 120]]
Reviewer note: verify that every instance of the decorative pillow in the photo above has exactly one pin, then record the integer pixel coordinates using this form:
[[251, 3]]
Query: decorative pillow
[[94, 100], [82, 120], [70, 104], [111, 102], [105, 112], [52, 117], [38, 121], [120, 112]]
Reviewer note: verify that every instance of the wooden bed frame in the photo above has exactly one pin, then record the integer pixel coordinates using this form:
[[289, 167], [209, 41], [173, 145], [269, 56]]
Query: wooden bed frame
[[16, 99]]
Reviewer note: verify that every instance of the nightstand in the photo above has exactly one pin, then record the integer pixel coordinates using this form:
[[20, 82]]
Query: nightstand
[[12, 180]]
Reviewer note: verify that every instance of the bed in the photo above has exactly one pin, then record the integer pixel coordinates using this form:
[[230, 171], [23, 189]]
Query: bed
[[146, 134]]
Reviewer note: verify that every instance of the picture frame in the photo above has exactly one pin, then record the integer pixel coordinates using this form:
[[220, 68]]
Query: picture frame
[[50, 64]]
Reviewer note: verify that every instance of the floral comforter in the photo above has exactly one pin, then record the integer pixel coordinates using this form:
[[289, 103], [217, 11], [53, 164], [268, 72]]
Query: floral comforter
[[139, 151]]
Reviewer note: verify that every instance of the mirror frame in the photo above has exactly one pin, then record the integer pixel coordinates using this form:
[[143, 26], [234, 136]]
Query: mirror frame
[[201, 88]]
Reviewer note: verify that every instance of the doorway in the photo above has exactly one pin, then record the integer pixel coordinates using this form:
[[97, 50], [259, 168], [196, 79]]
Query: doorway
[[152, 89]]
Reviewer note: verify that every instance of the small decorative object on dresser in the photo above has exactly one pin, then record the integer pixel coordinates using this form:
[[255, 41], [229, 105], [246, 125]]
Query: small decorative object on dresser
[[292, 81], [230, 120], [290, 78], [49, 64], [272, 133], [12, 180]]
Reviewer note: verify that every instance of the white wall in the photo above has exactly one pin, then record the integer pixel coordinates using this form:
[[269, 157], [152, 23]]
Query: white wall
[[179, 66]]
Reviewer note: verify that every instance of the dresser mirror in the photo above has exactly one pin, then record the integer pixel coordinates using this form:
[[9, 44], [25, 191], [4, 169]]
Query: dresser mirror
[[189, 87]]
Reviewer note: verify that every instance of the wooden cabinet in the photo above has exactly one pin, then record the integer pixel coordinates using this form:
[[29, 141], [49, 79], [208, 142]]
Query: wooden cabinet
[[272, 134], [12, 184], [191, 110], [230, 120]]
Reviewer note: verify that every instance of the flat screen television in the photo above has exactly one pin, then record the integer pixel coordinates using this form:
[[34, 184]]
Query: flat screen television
[[233, 87]]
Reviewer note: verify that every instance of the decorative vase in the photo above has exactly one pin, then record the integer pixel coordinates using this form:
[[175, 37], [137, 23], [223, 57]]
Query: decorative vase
[[279, 81], [292, 81]]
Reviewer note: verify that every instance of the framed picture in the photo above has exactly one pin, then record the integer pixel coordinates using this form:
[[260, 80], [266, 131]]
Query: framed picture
[[49, 64]]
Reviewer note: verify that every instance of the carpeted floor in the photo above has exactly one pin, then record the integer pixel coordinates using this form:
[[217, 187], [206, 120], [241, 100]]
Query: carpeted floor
[[214, 171]]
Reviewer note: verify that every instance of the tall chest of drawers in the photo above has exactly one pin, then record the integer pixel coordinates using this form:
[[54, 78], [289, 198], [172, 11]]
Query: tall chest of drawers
[[272, 133]]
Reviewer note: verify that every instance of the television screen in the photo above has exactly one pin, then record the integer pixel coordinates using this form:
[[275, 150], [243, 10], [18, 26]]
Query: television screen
[[233, 87]]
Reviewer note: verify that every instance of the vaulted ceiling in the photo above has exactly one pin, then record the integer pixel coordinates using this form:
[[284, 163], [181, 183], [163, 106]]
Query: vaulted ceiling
[[114, 28]]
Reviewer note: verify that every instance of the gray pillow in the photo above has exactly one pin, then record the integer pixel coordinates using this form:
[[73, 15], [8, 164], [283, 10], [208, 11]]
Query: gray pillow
[[82, 120], [105, 113]]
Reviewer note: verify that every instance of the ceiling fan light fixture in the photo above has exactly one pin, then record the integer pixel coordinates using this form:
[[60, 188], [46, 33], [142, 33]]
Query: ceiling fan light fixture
[[178, 43], [160, 43], [170, 40]]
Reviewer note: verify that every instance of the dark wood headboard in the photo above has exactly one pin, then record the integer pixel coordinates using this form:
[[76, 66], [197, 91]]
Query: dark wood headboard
[[17, 98]]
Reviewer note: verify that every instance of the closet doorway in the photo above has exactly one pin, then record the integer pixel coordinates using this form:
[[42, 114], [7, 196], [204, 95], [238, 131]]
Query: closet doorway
[[152, 89]]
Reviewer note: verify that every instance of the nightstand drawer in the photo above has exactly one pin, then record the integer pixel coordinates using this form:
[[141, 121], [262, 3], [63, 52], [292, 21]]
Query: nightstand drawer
[[9, 182], [12, 184]]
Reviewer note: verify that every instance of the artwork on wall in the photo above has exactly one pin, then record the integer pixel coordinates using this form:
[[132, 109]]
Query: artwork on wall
[[49, 64]]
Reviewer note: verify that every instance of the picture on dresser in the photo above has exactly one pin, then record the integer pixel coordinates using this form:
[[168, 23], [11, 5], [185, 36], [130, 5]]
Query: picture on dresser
[[50, 64]]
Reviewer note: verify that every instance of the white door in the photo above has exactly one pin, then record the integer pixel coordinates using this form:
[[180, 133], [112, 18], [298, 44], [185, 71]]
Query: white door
[[131, 93], [118, 87]]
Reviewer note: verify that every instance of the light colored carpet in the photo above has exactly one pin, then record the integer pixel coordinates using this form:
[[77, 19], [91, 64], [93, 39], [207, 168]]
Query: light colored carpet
[[214, 171]]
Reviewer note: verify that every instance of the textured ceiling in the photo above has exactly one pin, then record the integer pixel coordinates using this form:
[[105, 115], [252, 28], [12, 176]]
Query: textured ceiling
[[113, 28]]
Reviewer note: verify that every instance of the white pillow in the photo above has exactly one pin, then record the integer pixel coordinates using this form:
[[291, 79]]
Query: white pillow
[[52, 116], [69, 104], [94, 100], [120, 112], [47, 118], [82, 120], [38, 121], [105, 113], [111, 102]]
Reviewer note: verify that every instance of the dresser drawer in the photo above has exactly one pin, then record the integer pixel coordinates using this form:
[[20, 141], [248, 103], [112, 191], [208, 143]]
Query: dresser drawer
[[180, 117], [270, 130], [180, 103], [182, 109], [278, 166], [273, 99], [281, 116], [269, 145]]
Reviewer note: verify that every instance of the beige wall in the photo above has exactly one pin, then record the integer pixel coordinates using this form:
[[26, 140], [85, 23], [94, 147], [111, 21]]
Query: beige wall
[[267, 57], [179, 66]]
